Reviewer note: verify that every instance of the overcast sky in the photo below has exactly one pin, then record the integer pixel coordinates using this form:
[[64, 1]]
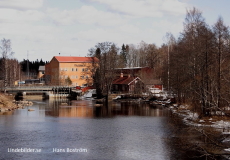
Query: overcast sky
[[45, 28]]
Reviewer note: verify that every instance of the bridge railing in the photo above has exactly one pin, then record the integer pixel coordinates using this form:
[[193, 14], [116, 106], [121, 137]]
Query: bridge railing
[[36, 87]]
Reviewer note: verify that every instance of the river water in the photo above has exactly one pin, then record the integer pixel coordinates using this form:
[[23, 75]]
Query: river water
[[122, 131]]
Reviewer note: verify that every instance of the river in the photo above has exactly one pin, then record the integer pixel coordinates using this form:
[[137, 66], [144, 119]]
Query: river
[[62, 129]]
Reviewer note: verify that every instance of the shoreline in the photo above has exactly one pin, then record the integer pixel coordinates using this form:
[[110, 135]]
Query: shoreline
[[8, 104], [213, 130]]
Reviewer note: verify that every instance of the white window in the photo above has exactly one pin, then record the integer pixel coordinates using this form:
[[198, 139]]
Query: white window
[[72, 69], [82, 77], [76, 77]]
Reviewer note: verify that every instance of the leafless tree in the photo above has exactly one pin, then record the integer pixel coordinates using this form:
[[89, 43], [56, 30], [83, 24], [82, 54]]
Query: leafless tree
[[199, 64], [222, 55], [104, 71], [8, 65]]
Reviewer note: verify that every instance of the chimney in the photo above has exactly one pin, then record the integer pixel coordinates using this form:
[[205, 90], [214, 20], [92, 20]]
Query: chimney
[[121, 74]]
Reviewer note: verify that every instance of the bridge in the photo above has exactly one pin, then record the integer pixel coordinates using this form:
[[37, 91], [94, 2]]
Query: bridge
[[46, 91]]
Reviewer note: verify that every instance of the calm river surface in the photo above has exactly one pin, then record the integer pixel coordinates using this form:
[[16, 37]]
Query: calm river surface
[[123, 131]]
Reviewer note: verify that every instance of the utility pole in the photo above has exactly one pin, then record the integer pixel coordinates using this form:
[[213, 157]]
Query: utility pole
[[19, 75], [28, 64], [168, 69]]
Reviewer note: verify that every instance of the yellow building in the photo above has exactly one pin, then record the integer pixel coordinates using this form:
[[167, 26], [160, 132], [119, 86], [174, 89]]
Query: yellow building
[[79, 70]]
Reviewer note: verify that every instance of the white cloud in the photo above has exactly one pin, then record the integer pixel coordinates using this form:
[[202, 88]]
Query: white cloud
[[145, 8], [125, 34], [45, 32], [18, 16], [21, 4], [98, 35], [84, 15], [129, 28]]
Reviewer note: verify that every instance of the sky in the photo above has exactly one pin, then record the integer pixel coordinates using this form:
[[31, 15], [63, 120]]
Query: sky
[[41, 29]]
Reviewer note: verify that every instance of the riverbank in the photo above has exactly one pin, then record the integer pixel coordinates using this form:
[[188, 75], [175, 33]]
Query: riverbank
[[7, 103], [192, 118], [214, 132]]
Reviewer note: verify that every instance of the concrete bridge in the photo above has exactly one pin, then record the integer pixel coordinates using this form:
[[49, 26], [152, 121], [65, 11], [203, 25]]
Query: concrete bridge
[[45, 91]]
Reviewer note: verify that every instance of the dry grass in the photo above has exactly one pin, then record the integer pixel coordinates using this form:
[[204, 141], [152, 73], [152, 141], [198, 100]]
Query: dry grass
[[6, 102]]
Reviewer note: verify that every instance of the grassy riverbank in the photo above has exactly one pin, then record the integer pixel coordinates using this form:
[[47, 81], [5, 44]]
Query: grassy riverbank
[[6, 102]]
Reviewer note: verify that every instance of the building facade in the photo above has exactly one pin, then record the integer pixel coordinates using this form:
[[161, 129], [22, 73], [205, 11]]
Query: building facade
[[78, 70]]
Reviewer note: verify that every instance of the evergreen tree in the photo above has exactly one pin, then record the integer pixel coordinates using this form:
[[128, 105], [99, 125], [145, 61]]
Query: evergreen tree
[[123, 56], [97, 77]]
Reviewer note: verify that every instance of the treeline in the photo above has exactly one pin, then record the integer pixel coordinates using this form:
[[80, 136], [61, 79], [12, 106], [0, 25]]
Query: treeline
[[199, 64], [9, 67], [32, 66], [194, 67], [11, 70], [112, 57]]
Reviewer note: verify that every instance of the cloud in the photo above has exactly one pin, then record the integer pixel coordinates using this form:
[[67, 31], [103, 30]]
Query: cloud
[[124, 34], [130, 29], [98, 35], [21, 4], [45, 41], [145, 8], [45, 32], [173, 26], [18, 16], [84, 15]]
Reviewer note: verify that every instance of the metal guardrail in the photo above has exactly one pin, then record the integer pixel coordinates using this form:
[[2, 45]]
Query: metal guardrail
[[42, 88], [39, 87]]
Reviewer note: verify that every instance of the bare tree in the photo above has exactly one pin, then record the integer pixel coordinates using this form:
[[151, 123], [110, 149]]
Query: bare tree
[[222, 36], [191, 70], [104, 70], [170, 43], [5, 65]]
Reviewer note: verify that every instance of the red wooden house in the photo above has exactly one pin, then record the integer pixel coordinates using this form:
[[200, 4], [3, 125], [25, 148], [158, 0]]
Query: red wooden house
[[127, 84]]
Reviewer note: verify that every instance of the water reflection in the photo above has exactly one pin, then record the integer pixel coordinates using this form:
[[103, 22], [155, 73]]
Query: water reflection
[[70, 108], [125, 131], [130, 109], [85, 108]]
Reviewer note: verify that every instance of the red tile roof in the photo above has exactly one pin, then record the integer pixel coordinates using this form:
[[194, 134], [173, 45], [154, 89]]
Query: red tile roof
[[75, 59]]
